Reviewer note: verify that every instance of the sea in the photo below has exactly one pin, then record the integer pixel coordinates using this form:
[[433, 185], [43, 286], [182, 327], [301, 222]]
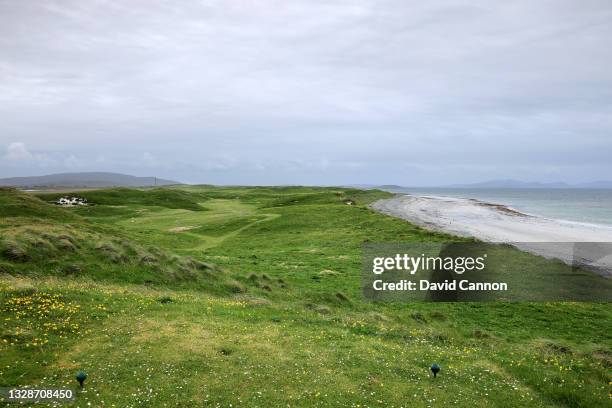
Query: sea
[[593, 206]]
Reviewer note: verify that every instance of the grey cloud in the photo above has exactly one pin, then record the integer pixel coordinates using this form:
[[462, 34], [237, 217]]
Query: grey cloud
[[310, 92], [17, 151]]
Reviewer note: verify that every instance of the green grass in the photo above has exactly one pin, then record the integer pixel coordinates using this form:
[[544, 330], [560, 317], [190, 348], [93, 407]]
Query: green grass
[[208, 296], [27, 206], [161, 197]]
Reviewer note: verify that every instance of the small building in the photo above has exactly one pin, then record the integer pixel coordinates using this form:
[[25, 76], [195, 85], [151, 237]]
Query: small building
[[71, 201]]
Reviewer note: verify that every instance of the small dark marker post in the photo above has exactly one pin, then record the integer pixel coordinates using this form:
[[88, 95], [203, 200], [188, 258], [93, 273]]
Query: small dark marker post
[[81, 377], [435, 369]]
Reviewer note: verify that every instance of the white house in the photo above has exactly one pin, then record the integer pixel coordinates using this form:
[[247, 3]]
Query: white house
[[71, 201]]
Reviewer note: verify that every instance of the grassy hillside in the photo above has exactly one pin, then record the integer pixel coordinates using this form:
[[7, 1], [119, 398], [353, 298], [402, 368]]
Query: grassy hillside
[[159, 197], [18, 205], [207, 296]]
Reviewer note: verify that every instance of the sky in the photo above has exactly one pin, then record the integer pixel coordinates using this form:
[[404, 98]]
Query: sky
[[312, 92]]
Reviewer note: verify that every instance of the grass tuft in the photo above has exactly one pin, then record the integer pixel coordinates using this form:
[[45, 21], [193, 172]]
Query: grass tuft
[[419, 317], [14, 251], [481, 334], [603, 357], [321, 309], [72, 269], [328, 272], [234, 287], [437, 315], [66, 245], [148, 259], [556, 348], [6, 268], [342, 297], [378, 317], [226, 350]]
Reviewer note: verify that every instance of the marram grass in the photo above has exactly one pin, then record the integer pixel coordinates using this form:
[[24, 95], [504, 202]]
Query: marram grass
[[204, 296]]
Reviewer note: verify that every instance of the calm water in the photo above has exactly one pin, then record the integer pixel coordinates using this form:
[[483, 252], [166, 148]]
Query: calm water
[[583, 205]]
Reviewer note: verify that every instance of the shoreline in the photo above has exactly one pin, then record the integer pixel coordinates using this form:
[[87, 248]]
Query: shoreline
[[575, 243]]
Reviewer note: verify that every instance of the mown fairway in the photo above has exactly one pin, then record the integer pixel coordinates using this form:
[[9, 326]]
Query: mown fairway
[[207, 296]]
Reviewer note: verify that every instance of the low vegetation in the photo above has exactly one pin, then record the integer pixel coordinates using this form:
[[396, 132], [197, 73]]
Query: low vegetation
[[209, 296]]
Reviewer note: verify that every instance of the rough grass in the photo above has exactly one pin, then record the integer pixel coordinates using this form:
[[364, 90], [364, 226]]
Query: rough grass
[[162, 197], [15, 204], [267, 313], [50, 248]]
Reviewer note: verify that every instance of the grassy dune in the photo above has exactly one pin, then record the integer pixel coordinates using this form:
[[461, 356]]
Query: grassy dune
[[208, 296]]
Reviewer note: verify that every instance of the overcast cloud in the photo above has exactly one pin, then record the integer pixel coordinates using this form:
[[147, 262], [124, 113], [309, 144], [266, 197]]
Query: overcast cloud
[[308, 92]]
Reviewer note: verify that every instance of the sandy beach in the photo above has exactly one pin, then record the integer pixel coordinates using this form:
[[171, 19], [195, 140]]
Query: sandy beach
[[572, 242]]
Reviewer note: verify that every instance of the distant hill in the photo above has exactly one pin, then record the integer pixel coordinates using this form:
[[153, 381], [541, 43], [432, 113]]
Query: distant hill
[[597, 184], [94, 179], [528, 184], [511, 184]]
